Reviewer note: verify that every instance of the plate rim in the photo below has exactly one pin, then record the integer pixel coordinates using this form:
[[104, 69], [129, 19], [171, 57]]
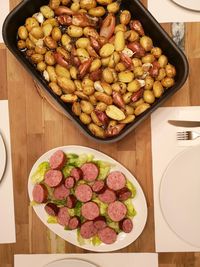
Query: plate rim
[[4, 155], [68, 259], [104, 248], [176, 2], [159, 192]]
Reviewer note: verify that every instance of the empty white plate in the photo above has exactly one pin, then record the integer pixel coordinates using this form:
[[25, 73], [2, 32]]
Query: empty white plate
[[70, 263], [180, 195], [2, 157], [189, 4]]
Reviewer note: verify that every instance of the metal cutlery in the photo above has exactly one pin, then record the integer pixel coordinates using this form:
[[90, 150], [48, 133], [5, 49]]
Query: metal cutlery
[[187, 135], [3, 157], [182, 123]]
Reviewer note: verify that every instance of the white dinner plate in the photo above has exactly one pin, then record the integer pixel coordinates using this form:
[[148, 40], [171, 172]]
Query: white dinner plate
[[70, 263], [139, 203], [189, 4], [2, 157], [180, 195]]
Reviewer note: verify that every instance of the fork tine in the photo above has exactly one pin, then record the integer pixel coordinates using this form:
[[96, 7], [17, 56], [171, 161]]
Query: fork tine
[[182, 135]]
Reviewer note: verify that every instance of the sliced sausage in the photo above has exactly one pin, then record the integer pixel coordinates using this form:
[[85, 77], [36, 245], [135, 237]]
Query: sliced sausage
[[53, 178], [108, 196], [57, 160], [63, 216], [98, 186], [71, 201], [83, 192], [90, 172], [40, 193], [77, 173], [100, 223], [61, 192], [51, 209], [116, 180], [90, 210], [117, 211], [126, 225], [88, 230], [70, 182], [107, 235], [74, 223], [123, 194]]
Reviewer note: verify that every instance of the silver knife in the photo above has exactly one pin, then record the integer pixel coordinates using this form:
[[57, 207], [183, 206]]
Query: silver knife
[[180, 123]]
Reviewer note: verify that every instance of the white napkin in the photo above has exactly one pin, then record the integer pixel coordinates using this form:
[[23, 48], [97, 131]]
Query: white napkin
[[102, 259], [164, 148], [167, 11], [7, 218], [4, 10]]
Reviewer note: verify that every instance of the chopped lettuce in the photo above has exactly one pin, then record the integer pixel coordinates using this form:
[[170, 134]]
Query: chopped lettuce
[[59, 203], [52, 219], [66, 170], [34, 203], [83, 158], [71, 212], [77, 209], [103, 206], [38, 175], [115, 226], [96, 241], [104, 168], [131, 187], [131, 212], [80, 240]]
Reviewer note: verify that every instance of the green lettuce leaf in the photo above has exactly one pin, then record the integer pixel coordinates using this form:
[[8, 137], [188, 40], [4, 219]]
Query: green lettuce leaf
[[38, 175], [131, 212], [131, 187], [66, 170], [96, 241], [59, 203], [80, 240], [115, 226], [103, 206], [104, 168], [52, 219], [77, 209]]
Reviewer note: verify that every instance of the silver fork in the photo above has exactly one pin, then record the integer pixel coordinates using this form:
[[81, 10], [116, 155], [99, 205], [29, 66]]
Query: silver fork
[[187, 135]]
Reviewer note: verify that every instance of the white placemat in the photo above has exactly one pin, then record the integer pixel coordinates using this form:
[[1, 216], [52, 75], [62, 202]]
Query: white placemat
[[4, 10], [102, 260], [164, 148], [167, 11], [7, 218]]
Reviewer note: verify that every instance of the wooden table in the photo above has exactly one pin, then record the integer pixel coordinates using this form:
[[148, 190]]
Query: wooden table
[[37, 127]]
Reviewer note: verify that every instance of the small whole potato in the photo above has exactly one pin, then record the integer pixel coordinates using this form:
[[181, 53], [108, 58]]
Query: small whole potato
[[40, 50], [21, 44], [149, 81], [107, 75], [75, 6], [170, 70], [158, 89], [88, 4], [41, 66], [138, 71], [120, 27], [78, 85], [52, 74], [30, 52], [137, 103], [119, 41], [23, 33], [97, 11], [115, 113], [95, 129], [113, 7], [88, 90], [56, 34], [148, 96], [82, 42], [146, 42], [81, 95], [67, 85], [119, 87], [126, 76], [128, 119], [73, 72], [141, 108], [30, 23], [156, 51], [74, 31], [82, 54], [132, 36], [104, 2], [36, 58], [65, 39], [120, 67], [54, 4], [87, 82], [101, 106], [62, 72], [37, 32], [55, 88], [137, 62], [95, 119], [47, 12], [127, 97], [93, 100], [76, 108], [51, 21], [69, 98], [106, 50], [162, 61], [134, 86], [168, 82], [86, 107], [129, 110], [106, 88], [85, 118], [96, 64], [49, 58], [50, 42], [149, 58], [102, 97], [47, 29], [65, 2], [125, 17], [161, 74], [105, 61]]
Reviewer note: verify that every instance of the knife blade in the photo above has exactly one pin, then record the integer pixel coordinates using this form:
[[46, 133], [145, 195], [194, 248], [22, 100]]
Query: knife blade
[[180, 123]]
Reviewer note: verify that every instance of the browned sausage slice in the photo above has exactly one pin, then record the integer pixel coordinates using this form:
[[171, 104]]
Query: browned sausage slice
[[107, 235], [76, 173], [74, 223], [61, 192], [71, 201], [90, 210], [83, 192], [98, 186], [57, 160], [116, 180], [51, 209], [88, 230], [53, 178], [108, 196], [100, 223], [63, 216], [40, 193], [126, 225], [117, 211], [90, 172], [69, 182], [123, 194]]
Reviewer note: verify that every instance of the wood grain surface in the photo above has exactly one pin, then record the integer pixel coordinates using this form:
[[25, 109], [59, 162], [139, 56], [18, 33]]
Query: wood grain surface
[[37, 127]]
